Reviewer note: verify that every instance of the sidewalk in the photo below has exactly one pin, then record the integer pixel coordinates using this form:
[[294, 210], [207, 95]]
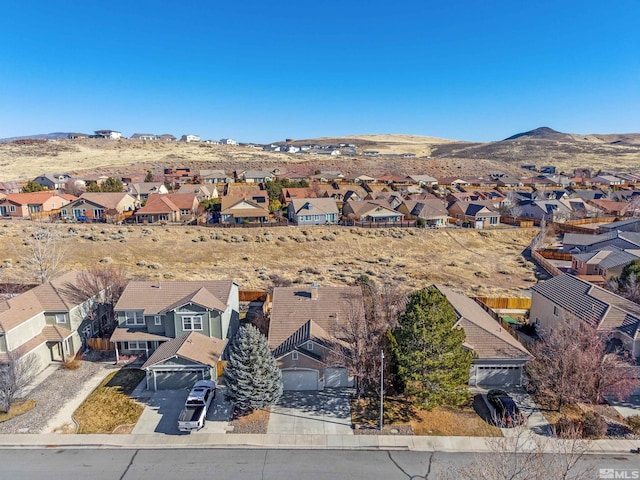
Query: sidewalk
[[285, 441]]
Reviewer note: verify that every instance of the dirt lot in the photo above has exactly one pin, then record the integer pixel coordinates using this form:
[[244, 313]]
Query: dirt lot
[[479, 262]]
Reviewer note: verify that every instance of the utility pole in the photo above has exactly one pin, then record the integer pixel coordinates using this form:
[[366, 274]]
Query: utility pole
[[381, 388]]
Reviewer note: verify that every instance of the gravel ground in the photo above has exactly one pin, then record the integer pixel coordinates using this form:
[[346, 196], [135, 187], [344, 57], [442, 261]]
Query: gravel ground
[[50, 396]]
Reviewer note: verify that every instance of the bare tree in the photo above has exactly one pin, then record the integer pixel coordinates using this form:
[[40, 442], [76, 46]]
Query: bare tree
[[577, 364], [15, 376], [46, 250], [526, 456], [102, 285]]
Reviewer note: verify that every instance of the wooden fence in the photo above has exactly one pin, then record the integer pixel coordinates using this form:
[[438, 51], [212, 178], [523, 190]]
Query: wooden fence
[[554, 255], [506, 303], [546, 264], [102, 344], [402, 224], [220, 366], [252, 295]]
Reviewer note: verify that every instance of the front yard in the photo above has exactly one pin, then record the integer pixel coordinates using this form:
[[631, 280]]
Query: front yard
[[400, 413], [17, 408], [109, 406]]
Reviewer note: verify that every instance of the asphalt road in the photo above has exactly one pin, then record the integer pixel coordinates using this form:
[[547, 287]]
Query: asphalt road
[[187, 464]]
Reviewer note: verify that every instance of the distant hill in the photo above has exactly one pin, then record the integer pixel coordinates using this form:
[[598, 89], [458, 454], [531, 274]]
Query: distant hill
[[542, 133], [39, 136]]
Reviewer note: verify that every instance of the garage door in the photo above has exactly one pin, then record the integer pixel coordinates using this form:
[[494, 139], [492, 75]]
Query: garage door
[[488, 375], [177, 379], [300, 379], [336, 377]]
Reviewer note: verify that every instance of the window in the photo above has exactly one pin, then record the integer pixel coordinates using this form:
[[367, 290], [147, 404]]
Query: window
[[157, 320], [555, 310], [309, 346], [61, 318], [12, 208], [294, 356], [493, 220], [134, 318], [137, 345], [191, 323]]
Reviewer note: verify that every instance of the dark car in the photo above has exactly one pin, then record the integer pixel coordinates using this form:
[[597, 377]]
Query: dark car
[[507, 413]]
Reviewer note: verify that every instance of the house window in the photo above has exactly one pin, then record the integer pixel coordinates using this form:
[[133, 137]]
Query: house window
[[134, 318], [61, 318], [294, 356], [137, 345], [493, 221], [555, 310], [309, 345], [191, 323], [157, 320], [12, 208]]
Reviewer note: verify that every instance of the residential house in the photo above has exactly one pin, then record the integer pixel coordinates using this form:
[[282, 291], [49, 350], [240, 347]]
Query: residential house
[[288, 194], [144, 136], [424, 180], [432, 212], [214, 176], [240, 209], [228, 141], [552, 210], [190, 138], [53, 181], [609, 180], [176, 176], [608, 262], [387, 199], [141, 191], [455, 182], [99, 206], [587, 194], [573, 298], [202, 191], [77, 136], [25, 205], [256, 176], [307, 329], [342, 193], [10, 187], [313, 211], [167, 137], [611, 207], [363, 179], [498, 358], [110, 134], [48, 322], [370, 211], [170, 207], [152, 313], [508, 181], [584, 242], [480, 214], [630, 225]]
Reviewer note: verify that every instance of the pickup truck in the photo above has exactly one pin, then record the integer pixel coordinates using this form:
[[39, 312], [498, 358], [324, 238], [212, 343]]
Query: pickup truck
[[192, 417]]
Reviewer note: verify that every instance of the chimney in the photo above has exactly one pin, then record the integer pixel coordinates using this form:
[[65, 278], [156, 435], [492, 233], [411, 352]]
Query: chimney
[[314, 291]]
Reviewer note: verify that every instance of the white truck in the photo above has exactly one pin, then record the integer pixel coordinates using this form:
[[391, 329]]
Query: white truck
[[192, 417]]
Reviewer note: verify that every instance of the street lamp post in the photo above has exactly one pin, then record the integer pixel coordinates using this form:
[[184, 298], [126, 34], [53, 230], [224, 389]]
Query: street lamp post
[[381, 388]]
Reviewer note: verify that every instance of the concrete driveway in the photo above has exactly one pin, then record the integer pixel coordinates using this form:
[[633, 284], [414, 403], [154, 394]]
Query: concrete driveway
[[626, 408], [160, 415], [302, 413]]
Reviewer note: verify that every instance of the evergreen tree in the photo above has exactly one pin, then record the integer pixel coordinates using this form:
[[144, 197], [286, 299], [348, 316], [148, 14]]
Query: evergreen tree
[[149, 177], [253, 378], [112, 185], [32, 186], [432, 362]]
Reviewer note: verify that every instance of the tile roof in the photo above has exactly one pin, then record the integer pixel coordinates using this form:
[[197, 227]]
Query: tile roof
[[106, 199], [293, 307], [56, 333], [124, 334], [322, 205], [426, 209], [193, 346], [484, 335], [157, 203], [156, 297], [591, 304]]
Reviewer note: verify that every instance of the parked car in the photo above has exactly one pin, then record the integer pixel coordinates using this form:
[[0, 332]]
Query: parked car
[[193, 415], [507, 413]]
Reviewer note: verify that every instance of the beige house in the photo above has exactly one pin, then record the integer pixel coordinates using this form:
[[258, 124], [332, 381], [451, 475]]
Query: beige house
[[170, 207], [46, 322], [99, 205], [141, 191], [305, 330], [24, 205], [432, 211]]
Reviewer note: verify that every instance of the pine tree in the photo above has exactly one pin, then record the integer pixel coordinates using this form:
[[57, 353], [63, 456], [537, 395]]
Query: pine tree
[[253, 378], [432, 362]]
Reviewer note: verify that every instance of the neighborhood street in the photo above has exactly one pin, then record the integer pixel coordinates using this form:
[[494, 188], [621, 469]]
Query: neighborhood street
[[239, 464]]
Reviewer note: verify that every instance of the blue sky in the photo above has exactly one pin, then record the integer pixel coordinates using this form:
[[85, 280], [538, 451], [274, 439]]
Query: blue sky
[[263, 71]]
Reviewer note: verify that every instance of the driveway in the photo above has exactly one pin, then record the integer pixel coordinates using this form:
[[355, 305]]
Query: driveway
[[627, 408], [327, 412], [160, 415]]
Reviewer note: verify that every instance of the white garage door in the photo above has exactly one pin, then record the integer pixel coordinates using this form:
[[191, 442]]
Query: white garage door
[[498, 375], [336, 377], [300, 379]]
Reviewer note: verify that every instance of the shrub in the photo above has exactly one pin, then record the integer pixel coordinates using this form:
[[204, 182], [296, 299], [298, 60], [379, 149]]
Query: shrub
[[634, 423], [567, 427], [594, 425]]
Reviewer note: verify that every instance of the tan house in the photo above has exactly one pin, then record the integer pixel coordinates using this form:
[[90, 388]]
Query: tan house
[[99, 206], [170, 207], [305, 330], [239, 209], [141, 191], [432, 211], [202, 191], [371, 211], [47, 322], [25, 205], [479, 214]]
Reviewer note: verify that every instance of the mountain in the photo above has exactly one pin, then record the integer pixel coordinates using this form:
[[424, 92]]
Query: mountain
[[39, 136], [542, 133]]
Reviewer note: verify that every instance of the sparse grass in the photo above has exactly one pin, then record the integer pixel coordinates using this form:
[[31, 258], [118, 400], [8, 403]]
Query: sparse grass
[[18, 408], [255, 422], [109, 405], [447, 421], [73, 364]]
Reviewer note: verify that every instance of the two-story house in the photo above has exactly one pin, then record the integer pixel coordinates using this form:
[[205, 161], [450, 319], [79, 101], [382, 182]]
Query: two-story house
[[48, 322], [152, 313]]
